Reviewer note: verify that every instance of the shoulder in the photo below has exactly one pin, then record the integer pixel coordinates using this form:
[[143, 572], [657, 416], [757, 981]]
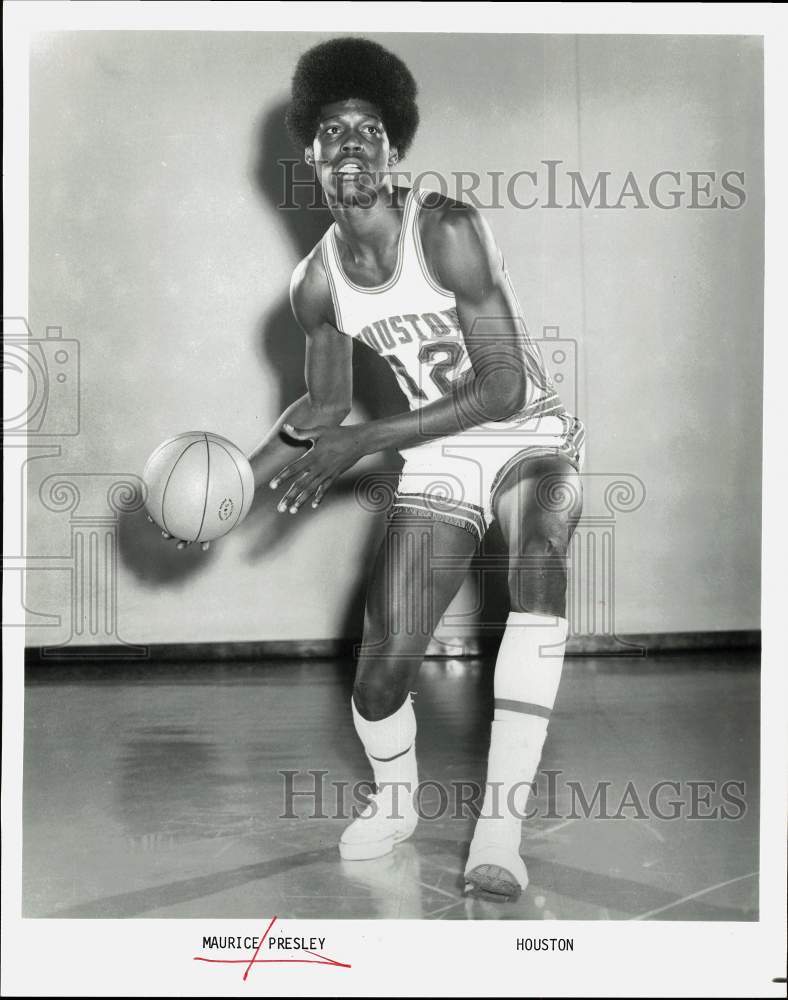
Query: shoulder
[[444, 222], [310, 293], [457, 240]]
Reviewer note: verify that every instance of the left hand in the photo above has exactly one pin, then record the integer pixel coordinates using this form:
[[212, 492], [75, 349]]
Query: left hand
[[180, 543], [334, 449]]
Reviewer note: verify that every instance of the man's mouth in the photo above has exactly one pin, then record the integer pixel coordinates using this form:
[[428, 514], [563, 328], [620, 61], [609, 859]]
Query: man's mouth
[[349, 167]]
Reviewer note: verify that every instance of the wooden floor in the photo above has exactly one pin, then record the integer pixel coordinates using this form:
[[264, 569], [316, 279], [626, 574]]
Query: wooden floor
[[156, 792]]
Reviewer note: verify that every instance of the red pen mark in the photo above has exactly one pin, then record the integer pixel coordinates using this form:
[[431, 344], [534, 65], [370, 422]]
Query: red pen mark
[[259, 946], [317, 960]]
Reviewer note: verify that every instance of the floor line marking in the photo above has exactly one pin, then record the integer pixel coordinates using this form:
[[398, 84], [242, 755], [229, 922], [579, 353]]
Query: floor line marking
[[441, 868], [693, 895], [654, 833], [441, 892], [443, 909], [227, 845], [553, 829]]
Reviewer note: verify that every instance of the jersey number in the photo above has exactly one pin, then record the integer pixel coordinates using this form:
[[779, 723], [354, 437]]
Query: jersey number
[[442, 372], [406, 377]]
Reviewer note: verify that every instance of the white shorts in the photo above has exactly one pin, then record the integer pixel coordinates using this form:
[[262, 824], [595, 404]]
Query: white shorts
[[455, 479]]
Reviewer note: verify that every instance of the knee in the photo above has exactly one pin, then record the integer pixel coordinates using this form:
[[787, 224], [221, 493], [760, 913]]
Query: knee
[[537, 552], [374, 701], [537, 573], [548, 540], [379, 691], [542, 536]]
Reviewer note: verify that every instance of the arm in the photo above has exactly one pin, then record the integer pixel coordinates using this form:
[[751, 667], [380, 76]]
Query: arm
[[468, 264], [327, 371]]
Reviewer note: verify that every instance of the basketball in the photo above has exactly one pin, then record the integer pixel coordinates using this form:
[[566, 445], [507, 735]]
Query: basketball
[[199, 486]]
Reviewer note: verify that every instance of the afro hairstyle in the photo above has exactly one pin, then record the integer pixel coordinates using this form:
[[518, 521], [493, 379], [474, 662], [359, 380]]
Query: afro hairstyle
[[345, 68]]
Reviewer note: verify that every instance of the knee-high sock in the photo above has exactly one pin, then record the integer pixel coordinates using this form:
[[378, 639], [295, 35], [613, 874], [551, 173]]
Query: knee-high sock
[[527, 675], [390, 746]]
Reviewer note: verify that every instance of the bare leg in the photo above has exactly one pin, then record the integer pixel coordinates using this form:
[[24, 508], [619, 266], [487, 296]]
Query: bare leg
[[407, 596], [538, 508]]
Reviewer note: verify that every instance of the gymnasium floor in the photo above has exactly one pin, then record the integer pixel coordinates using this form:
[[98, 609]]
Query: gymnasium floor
[[153, 792]]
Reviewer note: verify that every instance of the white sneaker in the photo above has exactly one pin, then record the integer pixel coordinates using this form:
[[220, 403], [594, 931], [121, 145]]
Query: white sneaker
[[495, 869], [380, 826]]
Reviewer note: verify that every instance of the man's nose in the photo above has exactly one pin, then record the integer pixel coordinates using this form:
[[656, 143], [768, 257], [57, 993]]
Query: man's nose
[[352, 143]]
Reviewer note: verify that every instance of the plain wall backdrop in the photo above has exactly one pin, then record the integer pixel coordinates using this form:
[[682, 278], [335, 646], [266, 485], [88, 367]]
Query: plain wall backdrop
[[156, 242]]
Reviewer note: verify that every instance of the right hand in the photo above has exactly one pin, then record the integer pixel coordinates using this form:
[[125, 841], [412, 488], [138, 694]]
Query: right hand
[[180, 543]]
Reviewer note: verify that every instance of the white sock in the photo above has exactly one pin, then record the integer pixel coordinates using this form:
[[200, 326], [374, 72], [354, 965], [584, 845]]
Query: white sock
[[527, 675], [390, 746]]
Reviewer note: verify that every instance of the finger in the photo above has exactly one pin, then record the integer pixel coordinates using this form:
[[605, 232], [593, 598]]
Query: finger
[[320, 492], [296, 487], [302, 433], [304, 495], [182, 544], [149, 518], [287, 473], [205, 546], [166, 534]]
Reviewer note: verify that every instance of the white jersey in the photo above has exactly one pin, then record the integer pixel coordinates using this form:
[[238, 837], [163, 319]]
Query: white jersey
[[412, 322]]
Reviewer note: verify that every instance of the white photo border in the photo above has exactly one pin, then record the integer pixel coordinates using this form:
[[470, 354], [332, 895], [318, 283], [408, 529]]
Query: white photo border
[[154, 957]]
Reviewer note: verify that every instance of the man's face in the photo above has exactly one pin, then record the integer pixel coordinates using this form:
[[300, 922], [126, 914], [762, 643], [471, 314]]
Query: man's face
[[351, 152]]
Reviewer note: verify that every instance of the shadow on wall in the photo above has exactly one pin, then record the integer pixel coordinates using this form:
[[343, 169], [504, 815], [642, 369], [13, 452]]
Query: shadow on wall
[[280, 344]]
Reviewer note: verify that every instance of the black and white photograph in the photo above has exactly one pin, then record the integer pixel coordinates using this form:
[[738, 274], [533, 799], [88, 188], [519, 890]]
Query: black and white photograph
[[391, 582]]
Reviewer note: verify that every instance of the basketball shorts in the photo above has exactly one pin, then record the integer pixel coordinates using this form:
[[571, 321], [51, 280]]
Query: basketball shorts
[[455, 479]]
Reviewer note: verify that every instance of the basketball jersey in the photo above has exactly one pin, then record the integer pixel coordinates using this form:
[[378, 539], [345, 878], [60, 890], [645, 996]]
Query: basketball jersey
[[412, 322]]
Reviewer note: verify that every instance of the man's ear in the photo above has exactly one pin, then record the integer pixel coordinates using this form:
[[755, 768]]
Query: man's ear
[[309, 156], [393, 156]]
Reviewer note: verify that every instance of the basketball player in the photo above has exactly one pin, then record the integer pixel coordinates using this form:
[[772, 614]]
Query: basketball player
[[418, 278]]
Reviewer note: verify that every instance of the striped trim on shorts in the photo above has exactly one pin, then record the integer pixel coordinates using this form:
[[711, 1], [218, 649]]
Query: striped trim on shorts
[[457, 512]]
